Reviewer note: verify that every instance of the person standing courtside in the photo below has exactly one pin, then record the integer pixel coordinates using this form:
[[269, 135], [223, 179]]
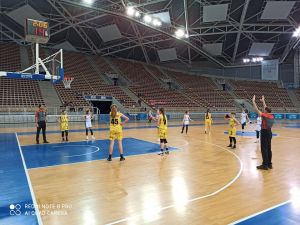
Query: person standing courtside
[[41, 120], [266, 134]]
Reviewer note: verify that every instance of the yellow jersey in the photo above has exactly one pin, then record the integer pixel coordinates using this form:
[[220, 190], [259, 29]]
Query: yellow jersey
[[207, 116], [163, 125], [232, 122], [64, 121], [115, 123]]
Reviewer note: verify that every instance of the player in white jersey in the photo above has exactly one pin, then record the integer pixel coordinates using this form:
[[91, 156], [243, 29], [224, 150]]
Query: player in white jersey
[[185, 122], [244, 119], [150, 116], [258, 128], [88, 124]]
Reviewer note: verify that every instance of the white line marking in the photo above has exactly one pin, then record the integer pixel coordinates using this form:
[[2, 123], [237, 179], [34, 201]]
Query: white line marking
[[260, 212], [88, 153], [38, 215], [193, 199], [151, 153]]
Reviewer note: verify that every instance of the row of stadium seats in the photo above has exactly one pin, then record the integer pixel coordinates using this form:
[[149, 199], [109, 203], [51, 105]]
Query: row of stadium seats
[[87, 82], [193, 92], [16, 93], [149, 89], [203, 90], [276, 97], [10, 59]]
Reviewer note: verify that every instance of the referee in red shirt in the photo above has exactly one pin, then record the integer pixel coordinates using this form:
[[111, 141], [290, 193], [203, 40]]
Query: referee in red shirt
[[266, 134]]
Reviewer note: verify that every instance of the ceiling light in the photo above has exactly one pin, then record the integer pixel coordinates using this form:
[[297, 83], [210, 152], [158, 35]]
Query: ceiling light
[[88, 1], [130, 11], [137, 14], [147, 19], [156, 22], [179, 33], [297, 32]]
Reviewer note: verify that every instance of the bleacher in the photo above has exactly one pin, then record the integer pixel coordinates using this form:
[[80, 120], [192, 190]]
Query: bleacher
[[196, 92], [87, 82], [277, 98], [150, 90], [16, 93], [10, 61], [203, 90]]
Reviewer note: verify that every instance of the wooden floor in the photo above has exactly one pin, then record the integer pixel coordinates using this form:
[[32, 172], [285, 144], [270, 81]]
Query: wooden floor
[[203, 183]]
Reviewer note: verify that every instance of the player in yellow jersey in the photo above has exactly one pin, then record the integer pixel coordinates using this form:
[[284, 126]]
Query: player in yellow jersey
[[162, 124], [232, 129], [64, 125], [208, 121], [115, 131]]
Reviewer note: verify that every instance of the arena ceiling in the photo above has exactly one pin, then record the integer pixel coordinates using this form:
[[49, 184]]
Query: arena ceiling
[[220, 31]]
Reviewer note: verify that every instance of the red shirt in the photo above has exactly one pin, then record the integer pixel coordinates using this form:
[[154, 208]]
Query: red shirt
[[267, 121]]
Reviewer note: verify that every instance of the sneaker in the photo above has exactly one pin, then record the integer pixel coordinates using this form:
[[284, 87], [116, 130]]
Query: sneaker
[[37, 142], [67, 139], [161, 153], [256, 141], [270, 166], [229, 146], [122, 158], [262, 167], [93, 138], [233, 146], [46, 142], [167, 152], [109, 159], [87, 138], [62, 139]]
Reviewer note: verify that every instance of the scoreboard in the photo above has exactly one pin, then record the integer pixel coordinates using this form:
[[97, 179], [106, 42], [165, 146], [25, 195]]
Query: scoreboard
[[37, 31]]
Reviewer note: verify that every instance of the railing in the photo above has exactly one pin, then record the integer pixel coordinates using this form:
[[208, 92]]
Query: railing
[[77, 110], [27, 115]]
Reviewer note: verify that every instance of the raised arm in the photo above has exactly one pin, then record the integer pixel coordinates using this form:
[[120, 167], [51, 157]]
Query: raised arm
[[263, 101], [255, 106]]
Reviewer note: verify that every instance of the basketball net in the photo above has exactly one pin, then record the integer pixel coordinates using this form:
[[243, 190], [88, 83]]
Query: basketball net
[[67, 82]]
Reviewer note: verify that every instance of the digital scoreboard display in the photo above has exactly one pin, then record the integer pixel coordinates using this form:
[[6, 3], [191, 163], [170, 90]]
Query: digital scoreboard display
[[37, 31]]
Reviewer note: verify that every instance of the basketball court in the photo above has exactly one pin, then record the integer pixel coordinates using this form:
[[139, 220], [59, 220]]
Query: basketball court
[[200, 180], [78, 69]]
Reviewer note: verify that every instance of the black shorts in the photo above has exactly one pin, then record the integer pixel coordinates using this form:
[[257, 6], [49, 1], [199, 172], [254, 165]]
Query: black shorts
[[163, 141]]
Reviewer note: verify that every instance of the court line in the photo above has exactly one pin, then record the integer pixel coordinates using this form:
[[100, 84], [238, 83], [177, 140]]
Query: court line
[[107, 128], [193, 199], [260, 212], [89, 153], [180, 148], [36, 208]]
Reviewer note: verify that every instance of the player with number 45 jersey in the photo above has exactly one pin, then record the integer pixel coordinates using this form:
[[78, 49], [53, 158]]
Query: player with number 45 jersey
[[115, 131]]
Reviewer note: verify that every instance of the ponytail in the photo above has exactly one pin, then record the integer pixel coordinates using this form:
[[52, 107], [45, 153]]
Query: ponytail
[[206, 116], [162, 111]]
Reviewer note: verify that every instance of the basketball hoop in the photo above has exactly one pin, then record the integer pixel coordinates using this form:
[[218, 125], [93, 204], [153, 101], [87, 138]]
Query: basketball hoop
[[67, 82]]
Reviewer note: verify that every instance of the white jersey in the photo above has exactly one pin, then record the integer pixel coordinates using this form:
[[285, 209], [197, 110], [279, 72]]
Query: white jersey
[[88, 121], [258, 123], [243, 118], [186, 119]]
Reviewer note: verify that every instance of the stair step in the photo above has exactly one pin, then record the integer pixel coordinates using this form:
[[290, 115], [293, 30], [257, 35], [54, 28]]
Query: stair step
[[49, 94]]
